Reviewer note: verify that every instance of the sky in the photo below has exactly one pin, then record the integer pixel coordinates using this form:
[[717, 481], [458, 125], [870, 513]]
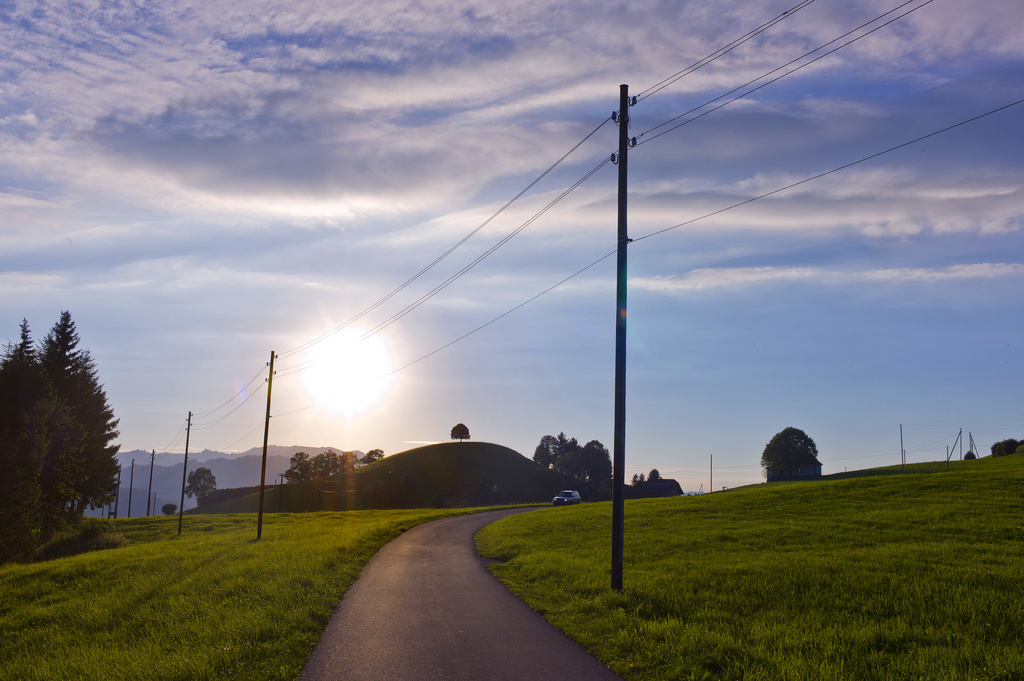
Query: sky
[[203, 184]]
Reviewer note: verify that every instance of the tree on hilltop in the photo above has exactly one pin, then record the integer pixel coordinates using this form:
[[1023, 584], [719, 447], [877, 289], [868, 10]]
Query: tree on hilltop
[[1005, 447], [546, 452], [325, 464], [347, 462], [373, 455], [300, 467], [791, 448], [460, 432]]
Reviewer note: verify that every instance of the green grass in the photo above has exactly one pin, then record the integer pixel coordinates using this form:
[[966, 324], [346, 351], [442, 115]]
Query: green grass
[[914, 576], [211, 604]]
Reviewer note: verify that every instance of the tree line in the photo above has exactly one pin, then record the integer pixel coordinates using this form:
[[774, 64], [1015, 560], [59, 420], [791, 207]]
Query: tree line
[[586, 466], [1007, 447], [57, 456], [325, 464]]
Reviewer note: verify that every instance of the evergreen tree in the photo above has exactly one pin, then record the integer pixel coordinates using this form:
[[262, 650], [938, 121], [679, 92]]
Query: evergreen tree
[[21, 387], [72, 376]]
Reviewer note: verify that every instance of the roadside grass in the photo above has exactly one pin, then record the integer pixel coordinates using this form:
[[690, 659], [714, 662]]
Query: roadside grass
[[914, 576], [210, 604]]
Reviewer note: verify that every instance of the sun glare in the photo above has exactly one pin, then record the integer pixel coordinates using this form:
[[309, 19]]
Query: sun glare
[[348, 375]]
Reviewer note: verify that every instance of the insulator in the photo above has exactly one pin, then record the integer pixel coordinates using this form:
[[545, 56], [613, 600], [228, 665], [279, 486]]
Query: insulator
[[614, 159], [615, 116], [632, 142], [632, 101]]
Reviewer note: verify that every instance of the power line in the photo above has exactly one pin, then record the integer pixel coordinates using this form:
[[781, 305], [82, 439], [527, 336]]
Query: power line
[[720, 52], [206, 426], [448, 282], [453, 278], [232, 398], [667, 229], [829, 172], [470, 333], [401, 287], [788, 73], [244, 436]]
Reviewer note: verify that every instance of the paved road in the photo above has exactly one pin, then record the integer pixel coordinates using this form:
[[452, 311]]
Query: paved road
[[425, 608]]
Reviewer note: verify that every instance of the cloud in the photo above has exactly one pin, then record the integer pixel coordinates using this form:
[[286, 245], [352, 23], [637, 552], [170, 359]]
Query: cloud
[[745, 277]]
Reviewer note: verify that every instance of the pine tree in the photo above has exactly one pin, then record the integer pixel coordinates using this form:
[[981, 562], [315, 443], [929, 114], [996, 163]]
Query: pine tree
[[21, 388], [72, 376]]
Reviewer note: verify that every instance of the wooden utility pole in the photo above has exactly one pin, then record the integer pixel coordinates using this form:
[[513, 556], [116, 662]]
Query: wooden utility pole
[[903, 452], [184, 471], [131, 481], [149, 492], [619, 437], [117, 493], [266, 436]]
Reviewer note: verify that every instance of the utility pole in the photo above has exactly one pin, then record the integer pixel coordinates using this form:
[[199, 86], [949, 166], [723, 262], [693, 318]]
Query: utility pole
[[184, 471], [711, 486], [619, 437], [266, 436], [117, 494], [131, 481], [903, 452], [149, 493]]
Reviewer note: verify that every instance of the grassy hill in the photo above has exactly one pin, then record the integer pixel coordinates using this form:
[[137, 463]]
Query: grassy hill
[[914, 576], [445, 475], [903, 576]]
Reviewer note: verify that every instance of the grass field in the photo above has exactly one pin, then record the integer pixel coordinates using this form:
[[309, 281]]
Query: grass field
[[913, 576], [211, 604]]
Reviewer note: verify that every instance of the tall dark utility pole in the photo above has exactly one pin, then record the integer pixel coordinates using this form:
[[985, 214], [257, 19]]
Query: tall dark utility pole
[[266, 436], [184, 471], [149, 492], [117, 493], [131, 481], [619, 437]]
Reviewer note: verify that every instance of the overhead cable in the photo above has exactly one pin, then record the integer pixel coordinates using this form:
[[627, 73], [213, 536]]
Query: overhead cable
[[205, 426], [667, 229], [776, 70], [828, 172], [468, 334], [508, 237], [231, 399], [720, 52], [324, 336]]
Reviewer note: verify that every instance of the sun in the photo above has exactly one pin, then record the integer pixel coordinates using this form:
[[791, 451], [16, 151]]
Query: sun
[[346, 375]]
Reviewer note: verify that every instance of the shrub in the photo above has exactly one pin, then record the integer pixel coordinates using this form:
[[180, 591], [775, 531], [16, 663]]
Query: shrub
[[93, 534], [1005, 447], [169, 509]]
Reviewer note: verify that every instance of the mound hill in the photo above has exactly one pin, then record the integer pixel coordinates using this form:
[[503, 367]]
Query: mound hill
[[442, 475]]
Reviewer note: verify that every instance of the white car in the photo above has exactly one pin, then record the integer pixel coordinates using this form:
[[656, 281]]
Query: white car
[[566, 497]]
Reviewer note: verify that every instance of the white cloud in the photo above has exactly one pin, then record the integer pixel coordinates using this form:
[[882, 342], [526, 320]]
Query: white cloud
[[744, 277]]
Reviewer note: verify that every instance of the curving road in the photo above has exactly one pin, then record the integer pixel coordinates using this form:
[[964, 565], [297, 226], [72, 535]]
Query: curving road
[[426, 608]]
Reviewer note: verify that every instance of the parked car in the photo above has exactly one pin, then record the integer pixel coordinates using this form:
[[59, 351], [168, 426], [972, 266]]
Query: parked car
[[566, 497]]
